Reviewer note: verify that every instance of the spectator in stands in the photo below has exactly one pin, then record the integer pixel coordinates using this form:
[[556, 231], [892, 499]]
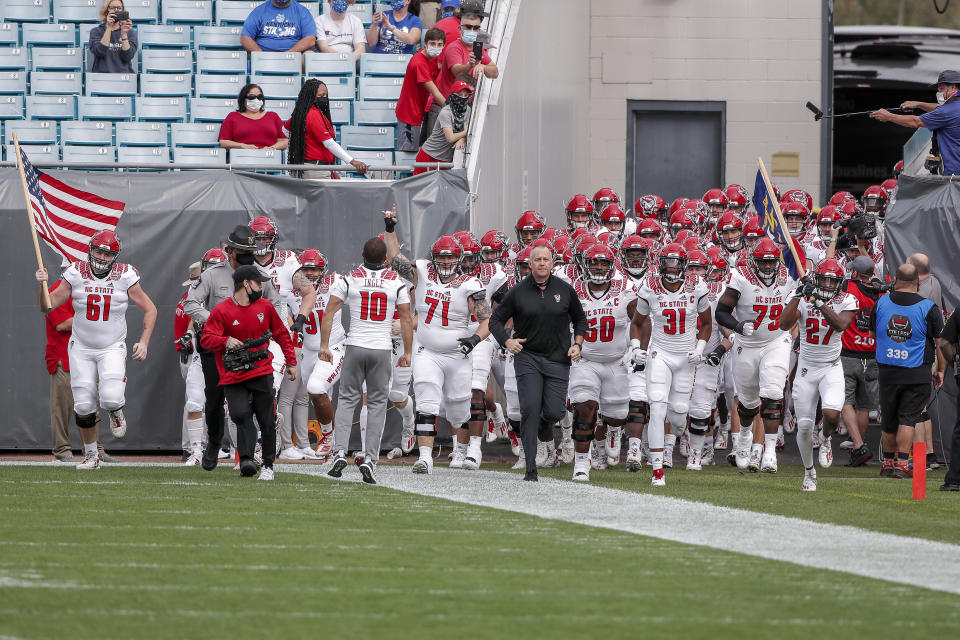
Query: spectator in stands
[[396, 31], [430, 12], [452, 11], [929, 288], [450, 131], [341, 32], [418, 87], [276, 25], [312, 136], [113, 44], [251, 126]]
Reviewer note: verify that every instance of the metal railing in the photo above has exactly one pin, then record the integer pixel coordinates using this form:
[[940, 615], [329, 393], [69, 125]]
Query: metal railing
[[171, 166]]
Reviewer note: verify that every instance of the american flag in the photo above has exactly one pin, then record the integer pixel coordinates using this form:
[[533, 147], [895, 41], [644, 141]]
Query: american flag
[[66, 218]]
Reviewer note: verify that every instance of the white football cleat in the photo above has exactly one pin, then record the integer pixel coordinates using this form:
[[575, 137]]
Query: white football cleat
[[598, 457], [826, 454], [291, 453], [565, 454], [118, 423], [407, 440], [541, 454], [308, 453], [223, 454], [658, 479], [720, 439], [195, 458], [816, 437], [459, 455], [781, 442], [473, 458], [743, 457], [768, 463], [266, 474], [809, 480], [90, 461], [325, 446], [693, 461], [515, 447], [754, 464], [423, 466], [667, 457], [614, 445], [684, 443], [790, 423], [634, 459], [551, 459], [521, 463], [581, 473], [491, 428]]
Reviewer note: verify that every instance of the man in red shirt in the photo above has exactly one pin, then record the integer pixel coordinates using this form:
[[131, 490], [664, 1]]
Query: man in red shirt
[[418, 88], [249, 389], [59, 323]]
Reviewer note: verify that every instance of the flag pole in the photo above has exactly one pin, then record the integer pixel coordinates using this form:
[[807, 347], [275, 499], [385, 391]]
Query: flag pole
[[33, 227], [801, 268]]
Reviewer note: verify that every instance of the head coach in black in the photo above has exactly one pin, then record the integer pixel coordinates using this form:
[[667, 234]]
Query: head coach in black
[[542, 308]]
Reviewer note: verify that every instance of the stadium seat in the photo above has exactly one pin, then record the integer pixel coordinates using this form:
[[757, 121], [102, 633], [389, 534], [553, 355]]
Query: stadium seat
[[164, 85], [276, 63], [13, 58], [380, 88], [92, 133], [217, 61], [234, 11], [142, 134], [162, 109], [25, 10], [83, 34], [31, 132], [143, 155], [56, 59], [405, 157], [340, 112], [187, 11], [383, 64], [195, 134], [56, 82], [283, 108], [218, 86], [170, 36], [283, 87], [110, 84], [76, 11], [13, 82], [11, 107], [36, 153], [205, 37], [90, 153], [9, 34], [53, 35], [374, 158], [375, 113], [197, 155], [211, 109], [340, 88], [51, 107], [247, 157], [105, 108], [166, 61], [313, 7], [368, 138], [362, 11], [143, 11], [329, 64]]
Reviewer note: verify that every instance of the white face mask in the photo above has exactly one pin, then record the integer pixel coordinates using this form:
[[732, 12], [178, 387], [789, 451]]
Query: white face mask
[[941, 98], [433, 52], [254, 105]]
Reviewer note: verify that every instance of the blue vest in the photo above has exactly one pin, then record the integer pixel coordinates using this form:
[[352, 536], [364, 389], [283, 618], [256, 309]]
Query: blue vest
[[901, 332]]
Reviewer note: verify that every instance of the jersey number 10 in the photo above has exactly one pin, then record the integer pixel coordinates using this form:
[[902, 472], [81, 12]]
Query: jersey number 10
[[373, 306]]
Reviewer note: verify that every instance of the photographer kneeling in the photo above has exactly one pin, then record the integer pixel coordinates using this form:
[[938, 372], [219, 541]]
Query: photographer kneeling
[[237, 332], [113, 44]]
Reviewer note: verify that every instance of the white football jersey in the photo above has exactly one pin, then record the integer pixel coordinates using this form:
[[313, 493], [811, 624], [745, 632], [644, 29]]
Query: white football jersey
[[674, 314], [715, 290], [819, 343], [373, 296], [100, 304], [492, 277], [443, 313], [311, 328], [815, 250], [281, 269], [760, 304], [608, 323]]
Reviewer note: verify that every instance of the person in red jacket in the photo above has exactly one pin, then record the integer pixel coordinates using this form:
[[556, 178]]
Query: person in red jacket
[[249, 391]]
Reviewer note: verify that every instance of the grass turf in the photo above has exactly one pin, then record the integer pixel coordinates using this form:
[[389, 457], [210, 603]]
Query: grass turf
[[169, 553]]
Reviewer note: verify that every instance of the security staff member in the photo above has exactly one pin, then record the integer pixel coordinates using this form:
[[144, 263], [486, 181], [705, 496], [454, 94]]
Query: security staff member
[[542, 307], [905, 327], [948, 351], [213, 287]]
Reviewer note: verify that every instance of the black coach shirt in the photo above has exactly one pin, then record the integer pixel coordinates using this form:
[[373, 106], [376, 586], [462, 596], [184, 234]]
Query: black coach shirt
[[542, 316]]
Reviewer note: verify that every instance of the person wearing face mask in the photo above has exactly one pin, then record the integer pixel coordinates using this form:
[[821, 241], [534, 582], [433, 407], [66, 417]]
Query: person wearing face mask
[[341, 32], [279, 25], [312, 136], [395, 31], [418, 87], [941, 117], [246, 315], [450, 131], [251, 126]]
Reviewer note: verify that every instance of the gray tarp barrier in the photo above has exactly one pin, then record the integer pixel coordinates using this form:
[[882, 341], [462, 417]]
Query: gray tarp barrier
[[170, 220]]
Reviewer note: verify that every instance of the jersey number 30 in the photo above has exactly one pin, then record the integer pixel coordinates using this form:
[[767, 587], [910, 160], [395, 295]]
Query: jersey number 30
[[94, 306]]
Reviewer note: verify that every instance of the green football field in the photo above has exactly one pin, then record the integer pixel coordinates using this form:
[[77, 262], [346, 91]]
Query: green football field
[[148, 552]]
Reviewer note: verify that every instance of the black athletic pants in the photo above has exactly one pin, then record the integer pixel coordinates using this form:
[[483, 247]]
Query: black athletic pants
[[953, 472], [213, 407], [542, 387], [244, 400]]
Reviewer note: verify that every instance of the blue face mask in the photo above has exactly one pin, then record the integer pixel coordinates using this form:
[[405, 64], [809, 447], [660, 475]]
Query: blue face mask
[[340, 6], [469, 37], [447, 13], [396, 5]]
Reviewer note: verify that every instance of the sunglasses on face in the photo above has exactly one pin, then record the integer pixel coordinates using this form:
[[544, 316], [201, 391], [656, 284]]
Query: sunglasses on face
[[254, 95], [470, 27]]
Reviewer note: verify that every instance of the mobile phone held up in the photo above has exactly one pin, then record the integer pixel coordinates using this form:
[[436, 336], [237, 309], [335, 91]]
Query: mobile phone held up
[[478, 51]]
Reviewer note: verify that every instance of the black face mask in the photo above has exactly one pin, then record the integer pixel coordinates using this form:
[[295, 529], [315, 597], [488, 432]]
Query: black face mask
[[322, 103], [255, 295], [244, 259]]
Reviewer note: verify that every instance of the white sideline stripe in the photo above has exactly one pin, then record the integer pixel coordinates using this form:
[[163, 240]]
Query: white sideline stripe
[[912, 561]]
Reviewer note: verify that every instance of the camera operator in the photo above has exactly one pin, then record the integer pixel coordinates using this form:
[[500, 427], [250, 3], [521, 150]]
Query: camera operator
[[948, 341], [237, 332], [113, 44], [855, 236]]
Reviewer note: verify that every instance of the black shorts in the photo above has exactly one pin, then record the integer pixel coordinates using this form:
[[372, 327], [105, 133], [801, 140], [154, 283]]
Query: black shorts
[[902, 404]]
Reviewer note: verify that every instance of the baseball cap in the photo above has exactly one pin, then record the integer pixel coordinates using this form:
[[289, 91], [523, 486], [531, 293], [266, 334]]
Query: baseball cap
[[249, 272], [447, 4], [194, 273], [242, 238], [948, 77], [863, 265], [460, 85]]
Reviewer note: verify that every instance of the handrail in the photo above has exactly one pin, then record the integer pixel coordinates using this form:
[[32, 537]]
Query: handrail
[[171, 166]]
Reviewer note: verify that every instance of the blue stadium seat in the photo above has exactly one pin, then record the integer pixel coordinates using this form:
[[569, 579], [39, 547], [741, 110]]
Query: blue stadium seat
[[143, 155], [341, 88], [276, 63], [247, 157], [211, 109], [92, 133], [217, 61], [9, 34], [340, 112], [11, 107], [13, 82], [362, 11], [384, 64], [105, 108], [281, 87], [76, 11], [283, 108], [143, 11], [198, 155], [313, 7], [187, 11], [25, 10], [217, 37], [89, 153], [367, 138], [31, 132], [374, 158], [13, 58], [234, 11], [54, 35], [56, 59], [37, 153], [159, 36], [380, 88], [111, 84], [329, 64], [164, 85], [195, 134], [405, 157], [375, 113], [213, 85], [83, 33], [51, 107], [142, 134], [166, 61], [161, 109], [56, 82]]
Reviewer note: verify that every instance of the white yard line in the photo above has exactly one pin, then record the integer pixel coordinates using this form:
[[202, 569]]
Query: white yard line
[[910, 561]]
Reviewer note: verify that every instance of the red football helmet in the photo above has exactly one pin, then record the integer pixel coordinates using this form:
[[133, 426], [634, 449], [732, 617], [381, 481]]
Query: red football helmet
[[530, 226], [523, 262], [697, 262], [717, 202], [718, 264], [679, 221], [840, 197], [888, 187], [634, 254], [828, 277], [765, 260], [598, 264], [212, 256], [492, 245], [673, 263], [795, 214], [650, 206], [799, 195], [580, 246], [613, 218], [849, 209], [107, 244], [651, 230], [605, 196], [561, 249], [549, 233], [579, 212], [898, 169], [690, 243], [683, 235], [445, 255], [874, 200], [313, 259], [470, 260], [730, 230], [738, 198], [752, 232], [265, 233], [825, 219]]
